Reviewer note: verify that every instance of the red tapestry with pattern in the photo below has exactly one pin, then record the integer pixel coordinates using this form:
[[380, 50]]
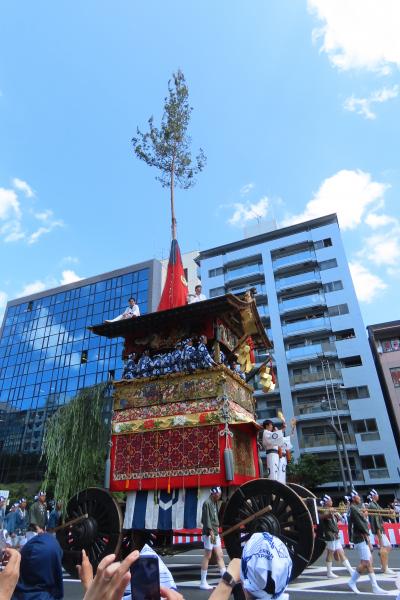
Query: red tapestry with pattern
[[168, 453]]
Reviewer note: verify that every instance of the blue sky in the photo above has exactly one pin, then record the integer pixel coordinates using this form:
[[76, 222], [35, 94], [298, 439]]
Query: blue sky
[[296, 105]]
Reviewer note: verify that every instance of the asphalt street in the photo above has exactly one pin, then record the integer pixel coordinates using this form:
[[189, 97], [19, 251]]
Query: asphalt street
[[311, 585]]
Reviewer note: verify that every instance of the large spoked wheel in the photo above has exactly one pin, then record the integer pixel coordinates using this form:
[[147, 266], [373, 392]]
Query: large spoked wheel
[[288, 519], [319, 542], [99, 534]]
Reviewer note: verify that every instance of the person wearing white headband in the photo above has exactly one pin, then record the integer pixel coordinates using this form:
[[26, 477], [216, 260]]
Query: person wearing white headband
[[263, 572], [210, 535], [329, 525], [377, 528], [359, 535]]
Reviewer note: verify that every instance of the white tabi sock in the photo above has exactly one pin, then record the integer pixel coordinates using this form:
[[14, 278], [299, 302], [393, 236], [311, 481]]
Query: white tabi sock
[[203, 576], [348, 566], [355, 576], [374, 584], [329, 571]]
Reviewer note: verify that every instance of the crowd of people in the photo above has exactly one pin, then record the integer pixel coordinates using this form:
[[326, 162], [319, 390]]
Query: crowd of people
[[188, 356], [20, 522], [35, 572]]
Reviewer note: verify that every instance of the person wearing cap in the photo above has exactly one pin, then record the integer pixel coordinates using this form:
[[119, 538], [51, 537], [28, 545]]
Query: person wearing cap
[[272, 440], [359, 535], [377, 528], [330, 529], [10, 523], [263, 572], [38, 512], [210, 535], [22, 518]]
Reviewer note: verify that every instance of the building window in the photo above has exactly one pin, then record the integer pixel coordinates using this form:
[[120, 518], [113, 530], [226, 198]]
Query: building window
[[216, 272], [351, 361], [30, 306], [218, 291], [392, 345], [373, 461], [84, 357], [185, 274], [323, 243], [339, 309], [345, 334], [328, 264], [365, 426], [333, 286], [395, 373], [355, 393]]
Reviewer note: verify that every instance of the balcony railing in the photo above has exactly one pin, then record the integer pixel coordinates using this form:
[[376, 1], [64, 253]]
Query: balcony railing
[[299, 279], [312, 350], [323, 439], [306, 325], [260, 287], [378, 473], [243, 271], [283, 261], [302, 302], [315, 407], [311, 377], [370, 436]]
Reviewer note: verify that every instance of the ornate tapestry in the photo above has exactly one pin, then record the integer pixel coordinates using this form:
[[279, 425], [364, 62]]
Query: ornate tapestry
[[168, 453], [243, 453], [163, 410]]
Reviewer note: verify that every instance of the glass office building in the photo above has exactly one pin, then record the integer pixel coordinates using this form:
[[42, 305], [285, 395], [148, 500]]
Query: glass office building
[[47, 354], [322, 357]]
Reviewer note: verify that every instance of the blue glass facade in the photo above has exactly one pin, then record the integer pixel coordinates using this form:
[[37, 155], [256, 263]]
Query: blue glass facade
[[47, 354]]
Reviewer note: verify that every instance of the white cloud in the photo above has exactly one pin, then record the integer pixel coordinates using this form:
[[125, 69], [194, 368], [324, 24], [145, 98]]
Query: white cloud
[[348, 193], [362, 106], [69, 276], [23, 187], [44, 215], [359, 34], [367, 285], [383, 249], [32, 288], [12, 231], [375, 221], [246, 189], [9, 204], [247, 211], [33, 237], [72, 260], [3, 302]]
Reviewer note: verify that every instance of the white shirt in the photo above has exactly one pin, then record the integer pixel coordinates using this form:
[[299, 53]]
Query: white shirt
[[196, 298], [131, 311]]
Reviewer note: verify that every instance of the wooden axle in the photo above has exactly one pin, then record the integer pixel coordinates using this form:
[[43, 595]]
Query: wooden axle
[[385, 512], [70, 523], [256, 515]]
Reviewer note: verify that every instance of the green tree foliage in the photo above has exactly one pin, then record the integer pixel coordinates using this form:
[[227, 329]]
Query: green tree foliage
[[75, 444], [168, 148], [309, 472]]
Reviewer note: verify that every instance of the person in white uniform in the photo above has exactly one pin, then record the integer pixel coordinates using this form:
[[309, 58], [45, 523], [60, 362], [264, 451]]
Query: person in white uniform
[[272, 441], [197, 296], [131, 311], [377, 528]]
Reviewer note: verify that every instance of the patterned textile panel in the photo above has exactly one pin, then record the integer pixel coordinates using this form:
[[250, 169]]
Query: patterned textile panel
[[167, 453], [183, 387], [158, 419], [178, 509]]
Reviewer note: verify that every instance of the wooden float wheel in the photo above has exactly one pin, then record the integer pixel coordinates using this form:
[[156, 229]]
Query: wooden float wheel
[[319, 542], [99, 534], [288, 519]]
